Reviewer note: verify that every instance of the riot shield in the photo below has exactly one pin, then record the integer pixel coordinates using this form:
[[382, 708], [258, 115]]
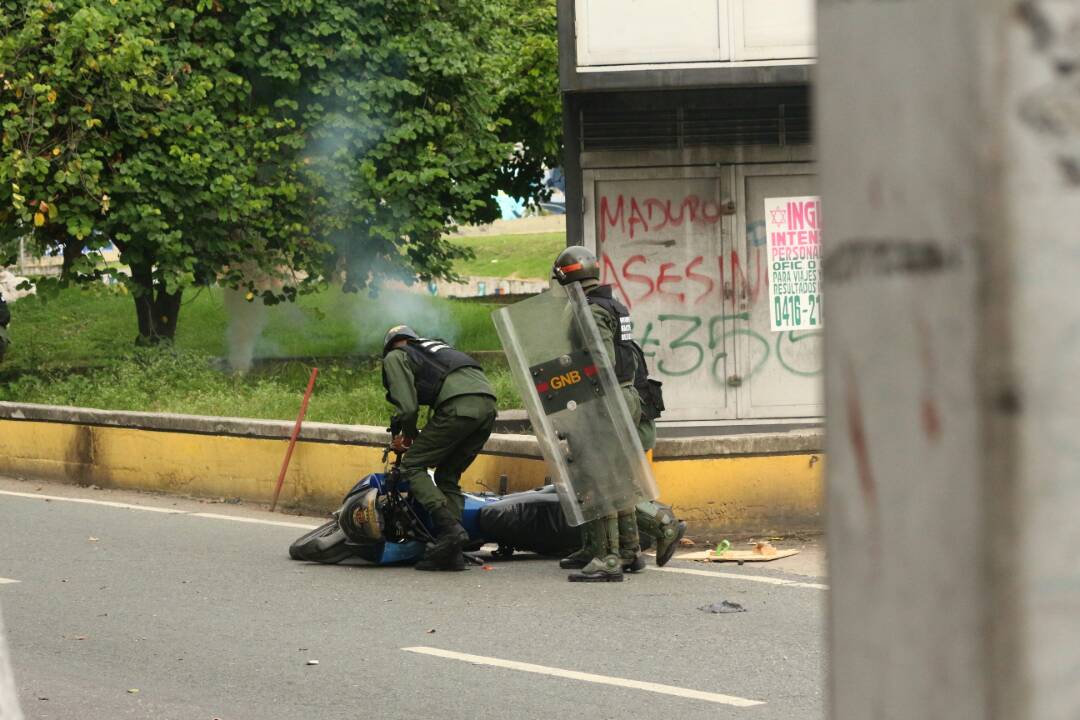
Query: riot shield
[[575, 404]]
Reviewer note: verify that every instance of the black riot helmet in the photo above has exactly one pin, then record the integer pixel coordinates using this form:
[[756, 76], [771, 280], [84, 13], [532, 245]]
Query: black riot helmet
[[575, 264], [396, 332]]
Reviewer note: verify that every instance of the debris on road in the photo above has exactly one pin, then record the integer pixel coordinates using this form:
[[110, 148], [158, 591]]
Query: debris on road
[[724, 606], [132, 691], [312, 662], [764, 548], [762, 552], [431, 631]]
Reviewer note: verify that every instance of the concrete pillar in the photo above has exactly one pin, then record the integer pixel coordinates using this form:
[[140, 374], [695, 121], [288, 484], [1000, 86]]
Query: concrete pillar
[[9, 700], [949, 137]]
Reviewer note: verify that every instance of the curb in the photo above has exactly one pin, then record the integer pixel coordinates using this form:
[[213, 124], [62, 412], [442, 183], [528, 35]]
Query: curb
[[744, 483]]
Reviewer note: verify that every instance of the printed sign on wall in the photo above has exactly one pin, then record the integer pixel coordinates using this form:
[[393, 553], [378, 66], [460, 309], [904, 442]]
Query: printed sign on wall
[[794, 241]]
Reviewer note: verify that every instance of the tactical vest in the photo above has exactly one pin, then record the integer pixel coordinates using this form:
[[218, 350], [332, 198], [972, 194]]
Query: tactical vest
[[625, 351], [436, 360]]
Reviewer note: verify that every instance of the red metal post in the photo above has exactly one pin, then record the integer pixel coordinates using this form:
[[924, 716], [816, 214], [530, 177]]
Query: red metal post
[[292, 439]]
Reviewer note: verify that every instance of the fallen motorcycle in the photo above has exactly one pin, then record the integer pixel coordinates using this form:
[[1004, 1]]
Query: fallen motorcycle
[[379, 522]]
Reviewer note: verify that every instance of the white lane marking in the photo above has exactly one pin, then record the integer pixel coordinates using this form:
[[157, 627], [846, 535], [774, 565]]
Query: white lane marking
[[150, 508], [85, 501], [587, 677], [751, 578], [6, 581], [236, 518]]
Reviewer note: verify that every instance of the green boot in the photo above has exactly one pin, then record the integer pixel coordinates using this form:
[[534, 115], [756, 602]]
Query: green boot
[[589, 548], [659, 522], [606, 566], [605, 569], [630, 543]]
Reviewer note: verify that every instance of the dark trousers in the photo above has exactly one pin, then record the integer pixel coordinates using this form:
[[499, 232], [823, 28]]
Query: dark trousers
[[449, 443]]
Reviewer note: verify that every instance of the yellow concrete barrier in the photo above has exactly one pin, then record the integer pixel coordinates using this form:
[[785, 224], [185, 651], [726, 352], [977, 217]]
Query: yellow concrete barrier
[[735, 493]]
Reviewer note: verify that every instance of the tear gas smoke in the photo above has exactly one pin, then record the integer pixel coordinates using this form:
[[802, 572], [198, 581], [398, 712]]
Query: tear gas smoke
[[246, 322], [386, 308], [369, 315]]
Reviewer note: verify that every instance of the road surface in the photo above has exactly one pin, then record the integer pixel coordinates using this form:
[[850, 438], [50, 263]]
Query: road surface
[[126, 605]]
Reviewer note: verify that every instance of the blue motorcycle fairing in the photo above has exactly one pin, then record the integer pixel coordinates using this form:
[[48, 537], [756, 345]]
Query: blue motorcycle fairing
[[390, 553], [399, 553]]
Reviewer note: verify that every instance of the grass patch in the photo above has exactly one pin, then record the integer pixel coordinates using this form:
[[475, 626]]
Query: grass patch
[[86, 327], [177, 381], [511, 256], [78, 349]]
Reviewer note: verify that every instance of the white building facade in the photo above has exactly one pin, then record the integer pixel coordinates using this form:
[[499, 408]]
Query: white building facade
[[684, 122]]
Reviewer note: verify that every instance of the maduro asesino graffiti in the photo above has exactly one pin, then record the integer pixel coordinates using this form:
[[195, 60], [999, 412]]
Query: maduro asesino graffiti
[[702, 296]]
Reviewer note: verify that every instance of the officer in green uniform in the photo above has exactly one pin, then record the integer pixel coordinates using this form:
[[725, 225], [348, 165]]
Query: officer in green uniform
[[577, 264], [421, 371]]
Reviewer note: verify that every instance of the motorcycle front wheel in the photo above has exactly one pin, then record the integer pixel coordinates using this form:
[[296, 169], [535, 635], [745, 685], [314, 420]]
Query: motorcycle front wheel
[[324, 544]]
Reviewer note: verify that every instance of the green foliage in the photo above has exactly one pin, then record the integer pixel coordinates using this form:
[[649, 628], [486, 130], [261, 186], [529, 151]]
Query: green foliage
[[517, 256], [128, 122], [80, 327], [65, 352], [394, 106], [530, 101], [181, 381], [306, 140]]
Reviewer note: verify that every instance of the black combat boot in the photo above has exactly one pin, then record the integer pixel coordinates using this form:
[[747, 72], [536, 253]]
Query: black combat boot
[[445, 552]]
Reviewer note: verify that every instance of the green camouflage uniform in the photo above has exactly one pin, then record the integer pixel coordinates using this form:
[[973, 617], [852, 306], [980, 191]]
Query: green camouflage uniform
[[596, 532], [464, 413]]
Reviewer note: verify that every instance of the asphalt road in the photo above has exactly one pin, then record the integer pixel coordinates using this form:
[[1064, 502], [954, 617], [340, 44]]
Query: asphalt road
[[121, 612]]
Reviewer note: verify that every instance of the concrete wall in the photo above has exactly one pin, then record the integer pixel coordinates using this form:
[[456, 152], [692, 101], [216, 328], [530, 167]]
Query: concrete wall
[[949, 138], [745, 484], [472, 287]]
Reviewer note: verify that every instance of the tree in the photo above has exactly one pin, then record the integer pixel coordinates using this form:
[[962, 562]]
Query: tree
[[395, 105], [123, 124], [208, 141], [530, 98]]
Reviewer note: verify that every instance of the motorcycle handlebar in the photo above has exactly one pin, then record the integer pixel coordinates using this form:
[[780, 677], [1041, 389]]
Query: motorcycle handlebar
[[397, 454]]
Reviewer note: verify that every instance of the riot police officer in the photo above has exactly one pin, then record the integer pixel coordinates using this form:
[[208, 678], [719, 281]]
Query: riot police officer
[[423, 371], [644, 401]]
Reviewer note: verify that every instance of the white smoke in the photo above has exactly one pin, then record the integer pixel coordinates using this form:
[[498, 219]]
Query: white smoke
[[369, 314], [386, 308], [247, 319]]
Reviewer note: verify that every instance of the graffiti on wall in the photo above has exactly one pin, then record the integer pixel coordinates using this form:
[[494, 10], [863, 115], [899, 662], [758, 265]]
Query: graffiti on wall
[[690, 311], [697, 281], [633, 216]]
